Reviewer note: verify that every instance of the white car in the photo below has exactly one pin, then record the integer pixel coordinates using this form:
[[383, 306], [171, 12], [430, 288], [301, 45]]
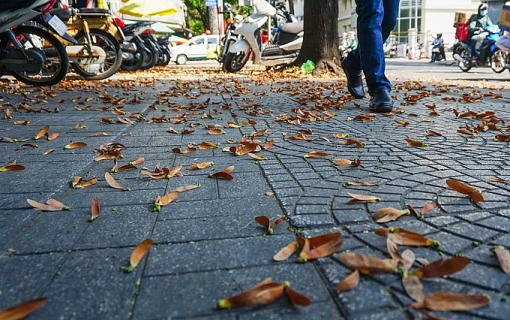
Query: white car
[[197, 48]]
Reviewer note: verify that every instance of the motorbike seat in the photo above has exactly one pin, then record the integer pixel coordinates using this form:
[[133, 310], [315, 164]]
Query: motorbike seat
[[294, 27], [63, 13], [93, 12]]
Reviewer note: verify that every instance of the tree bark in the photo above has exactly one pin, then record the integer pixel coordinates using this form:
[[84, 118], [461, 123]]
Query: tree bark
[[320, 41], [291, 6], [213, 20]]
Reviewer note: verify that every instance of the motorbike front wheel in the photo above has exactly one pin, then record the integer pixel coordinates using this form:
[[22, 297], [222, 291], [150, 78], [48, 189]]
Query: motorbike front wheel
[[464, 65], [113, 59], [134, 64], [234, 62], [56, 61], [151, 57], [498, 61]]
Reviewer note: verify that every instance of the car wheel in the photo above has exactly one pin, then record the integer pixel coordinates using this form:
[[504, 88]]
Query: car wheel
[[181, 59]]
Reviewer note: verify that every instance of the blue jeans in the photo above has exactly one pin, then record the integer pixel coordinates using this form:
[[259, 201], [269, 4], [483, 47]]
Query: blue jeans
[[376, 20]]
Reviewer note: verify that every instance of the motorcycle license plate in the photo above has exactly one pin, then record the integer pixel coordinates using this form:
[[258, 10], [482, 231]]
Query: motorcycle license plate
[[58, 25]]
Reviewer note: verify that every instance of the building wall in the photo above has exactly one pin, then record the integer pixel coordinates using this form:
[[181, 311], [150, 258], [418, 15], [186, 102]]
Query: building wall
[[437, 16]]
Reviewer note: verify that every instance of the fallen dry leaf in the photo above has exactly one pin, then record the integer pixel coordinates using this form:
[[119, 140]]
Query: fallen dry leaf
[[474, 194], [441, 268], [389, 214], [366, 264], [48, 206], [112, 183], [138, 253], [42, 133], [22, 310], [406, 237], [413, 287], [266, 223], [503, 257], [350, 282], [94, 209], [451, 301], [315, 154], [265, 292]]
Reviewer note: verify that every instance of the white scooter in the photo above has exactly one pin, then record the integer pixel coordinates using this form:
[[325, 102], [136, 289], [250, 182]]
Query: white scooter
[[282, 49]]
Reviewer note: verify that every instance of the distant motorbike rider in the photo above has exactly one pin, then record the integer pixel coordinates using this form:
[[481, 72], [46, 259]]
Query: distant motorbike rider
[[439, 43], [476, 27]]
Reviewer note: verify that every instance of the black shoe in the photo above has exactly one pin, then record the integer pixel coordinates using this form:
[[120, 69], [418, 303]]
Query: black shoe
[[354, 81], [381, 101]]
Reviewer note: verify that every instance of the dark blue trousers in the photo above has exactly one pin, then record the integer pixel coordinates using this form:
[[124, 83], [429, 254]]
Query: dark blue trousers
[[376, 20]]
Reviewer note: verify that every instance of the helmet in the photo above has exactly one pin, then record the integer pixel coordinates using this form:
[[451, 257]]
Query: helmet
[[439, 35], [482, 9]]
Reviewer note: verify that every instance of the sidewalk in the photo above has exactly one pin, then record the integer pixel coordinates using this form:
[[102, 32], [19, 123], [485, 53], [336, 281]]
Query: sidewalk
[[206, 243]]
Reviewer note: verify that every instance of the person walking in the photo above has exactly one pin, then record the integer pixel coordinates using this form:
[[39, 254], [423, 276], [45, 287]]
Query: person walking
[[376, 19]]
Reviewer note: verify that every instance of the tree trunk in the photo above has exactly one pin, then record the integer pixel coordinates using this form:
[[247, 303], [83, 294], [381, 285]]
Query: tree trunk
[[320, 41], [213, 20]]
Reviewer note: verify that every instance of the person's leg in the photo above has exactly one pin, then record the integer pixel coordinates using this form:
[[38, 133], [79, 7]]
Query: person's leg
[[474, 40]]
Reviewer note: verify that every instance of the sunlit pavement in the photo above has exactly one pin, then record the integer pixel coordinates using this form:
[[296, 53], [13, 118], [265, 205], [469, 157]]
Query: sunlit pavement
[[206, 243]]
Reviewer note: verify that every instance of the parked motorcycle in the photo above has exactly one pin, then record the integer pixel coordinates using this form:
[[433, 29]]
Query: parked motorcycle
[[30, 53], [281, 50], [164, 58], [230, 37], [97, 55], [489, 53], [138, 51]]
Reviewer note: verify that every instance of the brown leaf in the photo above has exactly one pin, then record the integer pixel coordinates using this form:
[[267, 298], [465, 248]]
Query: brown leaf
[[356, 142], [216, 131], [266, 292], [402, 123], [201, 165], [74, 145], [414, 143], [187, 150], [393, 251], [112, 183], [208, 145], [186, 188], [258, 133], [137, 161], [263, 221], [42, 133], [389, 214], [350, 282], [94, 209], [286, 252], [496, 179], [22, 310], [460, 186], [475, 194], [413, 287], [45, 207], [315, 154], [342, 162], [138, 253], [450, 301], [406, 237], [295, 297], [503, 257], [428, 207], [224, 174], [57, 204], [52, 136], [366, 264], [12, 167], [83, 184], [256, 156], [361, 183], [408, 259], [320, 251], [441, 268], [433, 133], [168, 198], [268, 144], [364, 197]]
